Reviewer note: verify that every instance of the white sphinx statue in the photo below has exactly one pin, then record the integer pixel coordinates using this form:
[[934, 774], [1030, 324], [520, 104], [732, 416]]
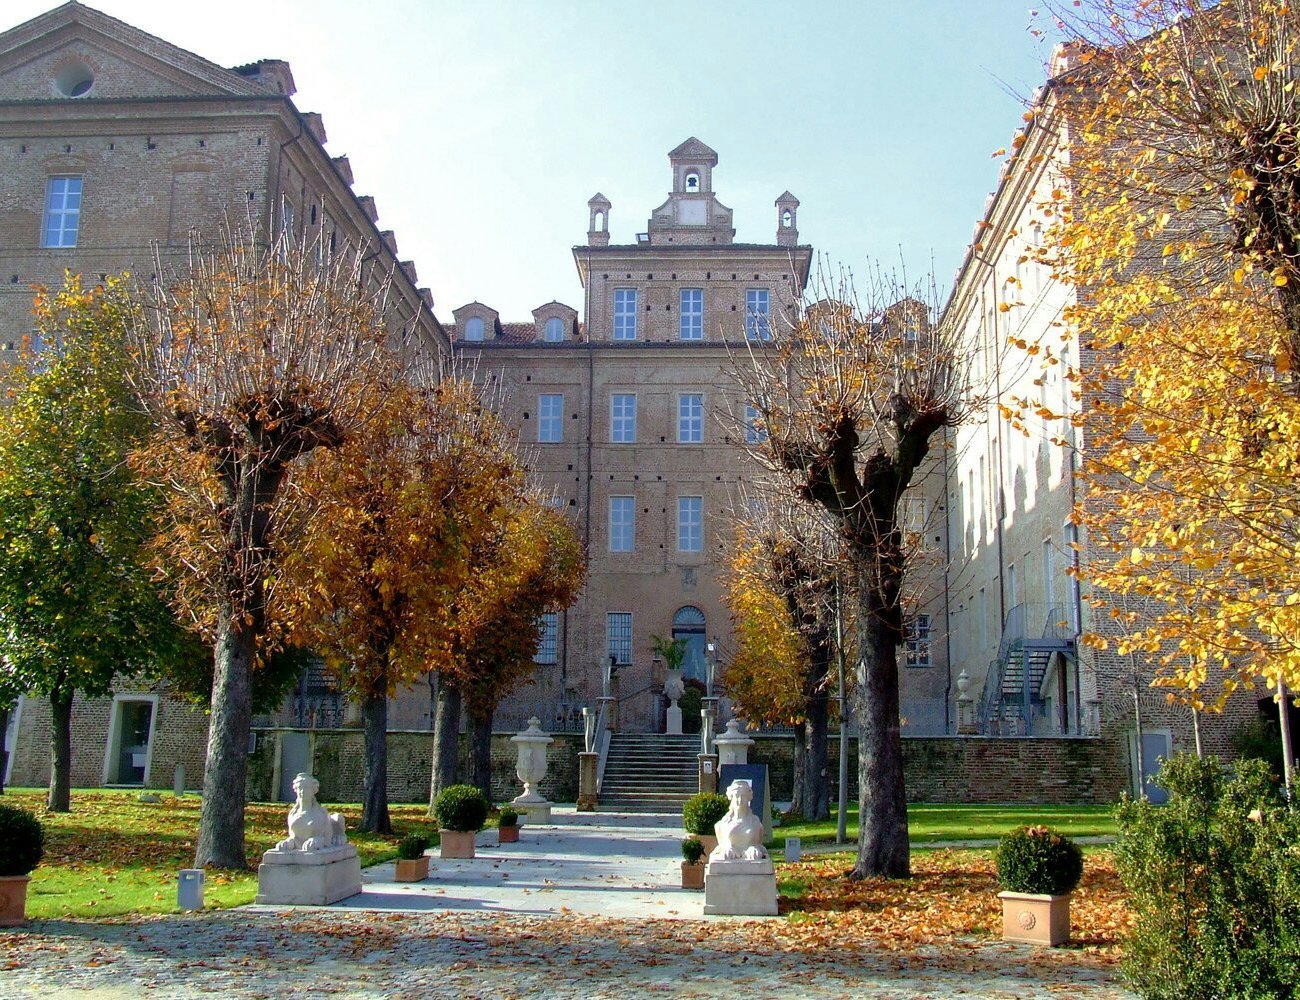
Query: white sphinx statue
[[740, 832], [311, 828], [740, 878]]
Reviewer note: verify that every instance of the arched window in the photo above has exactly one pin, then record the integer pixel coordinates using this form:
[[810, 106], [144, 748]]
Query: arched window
[[787, 217], [553, 332], [693, 182], [688, 626], [598, 224], [474, 329]]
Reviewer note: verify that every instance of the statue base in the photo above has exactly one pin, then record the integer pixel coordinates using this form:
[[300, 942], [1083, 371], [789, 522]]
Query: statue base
[[308, 878], [673, 726], [535, 808], [740, 888]]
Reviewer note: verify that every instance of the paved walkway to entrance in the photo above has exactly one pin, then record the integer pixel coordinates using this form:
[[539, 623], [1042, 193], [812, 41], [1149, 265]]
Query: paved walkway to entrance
[[575, 910]]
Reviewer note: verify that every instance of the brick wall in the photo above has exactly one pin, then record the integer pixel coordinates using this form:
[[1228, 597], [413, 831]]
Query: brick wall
[[337, 761], [977, 769]]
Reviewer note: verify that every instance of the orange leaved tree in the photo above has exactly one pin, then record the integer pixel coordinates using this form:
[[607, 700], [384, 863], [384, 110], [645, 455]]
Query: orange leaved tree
[[249, 359]]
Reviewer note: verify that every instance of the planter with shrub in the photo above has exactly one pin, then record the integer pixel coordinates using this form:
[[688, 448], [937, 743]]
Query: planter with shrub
[[700, 815], [461, 810], [1037, 870], [412, 862], [22, 841], [507, 826], [692, 863]]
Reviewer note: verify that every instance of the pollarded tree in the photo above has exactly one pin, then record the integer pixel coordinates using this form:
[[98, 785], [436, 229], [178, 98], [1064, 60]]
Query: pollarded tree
[[78, 604], [534, 565], [250, 359], [852, 398]]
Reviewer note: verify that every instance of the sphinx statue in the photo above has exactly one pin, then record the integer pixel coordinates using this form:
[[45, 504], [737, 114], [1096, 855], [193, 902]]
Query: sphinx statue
[[311, 828], [740, 832], [740, 879]]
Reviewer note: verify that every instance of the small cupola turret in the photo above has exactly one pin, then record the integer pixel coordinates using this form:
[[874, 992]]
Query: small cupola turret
[[787, 220], [598, 221]]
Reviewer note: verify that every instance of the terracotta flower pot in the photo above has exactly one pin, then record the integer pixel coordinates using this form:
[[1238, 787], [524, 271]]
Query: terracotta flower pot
[[13, 899], [709, 841], [412, 869], [456, 843], [692, 875], [507, 834], [1035, 918]]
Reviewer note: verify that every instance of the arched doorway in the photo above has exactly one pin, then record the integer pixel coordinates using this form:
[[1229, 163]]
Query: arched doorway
[[688, 626]]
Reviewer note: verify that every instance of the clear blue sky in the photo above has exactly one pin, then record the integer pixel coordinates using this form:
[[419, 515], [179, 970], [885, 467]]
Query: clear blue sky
[[481, 127]]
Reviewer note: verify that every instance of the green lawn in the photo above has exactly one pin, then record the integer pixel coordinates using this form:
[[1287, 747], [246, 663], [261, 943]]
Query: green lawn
[[114, 854], [927, 823]]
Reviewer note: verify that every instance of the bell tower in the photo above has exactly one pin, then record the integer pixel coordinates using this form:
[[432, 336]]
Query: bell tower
[[692, 215], [598, 221], [787, 220]]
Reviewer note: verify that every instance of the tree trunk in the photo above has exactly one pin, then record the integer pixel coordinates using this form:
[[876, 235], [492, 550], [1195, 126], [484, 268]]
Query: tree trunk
[[799, 780], [446, 741], [221, 819], [882, 797], [480, 753], [817, 781], [60, 753], [4, 749], [374, 793]]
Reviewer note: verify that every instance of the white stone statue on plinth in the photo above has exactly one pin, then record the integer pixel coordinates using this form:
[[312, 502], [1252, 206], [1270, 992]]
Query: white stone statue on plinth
[[315, 865], [531, 769], [674, 688], [740, 879]]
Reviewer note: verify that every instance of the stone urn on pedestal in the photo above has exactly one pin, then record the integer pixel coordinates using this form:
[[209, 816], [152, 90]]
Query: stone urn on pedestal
[[674, 688], [531, 769]]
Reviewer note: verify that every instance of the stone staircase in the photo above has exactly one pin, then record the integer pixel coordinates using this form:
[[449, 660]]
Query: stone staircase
[[650, 773]]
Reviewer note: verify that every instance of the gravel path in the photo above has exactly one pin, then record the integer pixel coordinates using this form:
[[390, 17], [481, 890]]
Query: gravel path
[[305, 953]]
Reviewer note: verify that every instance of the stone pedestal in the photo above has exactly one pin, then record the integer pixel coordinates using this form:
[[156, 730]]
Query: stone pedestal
[[673, 721], [708, 772], [610, 707], [308, 878], [740, 888], [966, 725], [733, 745], [588, 766]]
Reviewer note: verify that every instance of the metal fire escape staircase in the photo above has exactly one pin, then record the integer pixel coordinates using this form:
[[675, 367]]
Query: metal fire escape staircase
[[1013, 702]]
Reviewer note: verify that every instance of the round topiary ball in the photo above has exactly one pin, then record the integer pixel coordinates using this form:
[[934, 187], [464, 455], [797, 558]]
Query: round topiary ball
[[22, 841], [701, 812], [412, 847], [461, 808], [1034, 859]]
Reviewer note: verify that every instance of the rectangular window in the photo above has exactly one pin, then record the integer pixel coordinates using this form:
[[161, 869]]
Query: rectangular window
[[915, 512], [691, 314], [755, 433], [618, 635], [625, 313], [690, 418], [550, 417], [918, 641], [690, 524], [758, 314], [622, 524], [1049, 573], [622, 418], [62, 211], [548, 637]]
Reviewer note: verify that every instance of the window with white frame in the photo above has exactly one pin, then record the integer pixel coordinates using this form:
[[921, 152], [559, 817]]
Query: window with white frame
[[622, 524], [625, 307], [548, 637], [62, 212], [755, 433], [618, 635], [915, 513], [691, 314], [553, 331], [690, 418], [474, 328], [690, 524], [622, 418], [550, 417], [918, 641], [758, 314]]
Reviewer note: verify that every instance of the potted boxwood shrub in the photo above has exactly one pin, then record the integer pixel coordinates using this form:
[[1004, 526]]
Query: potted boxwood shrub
[[507, 826], [412, 862], [1038, 868], [461, 810], [22, 841], [701, 813], [692, 863]]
